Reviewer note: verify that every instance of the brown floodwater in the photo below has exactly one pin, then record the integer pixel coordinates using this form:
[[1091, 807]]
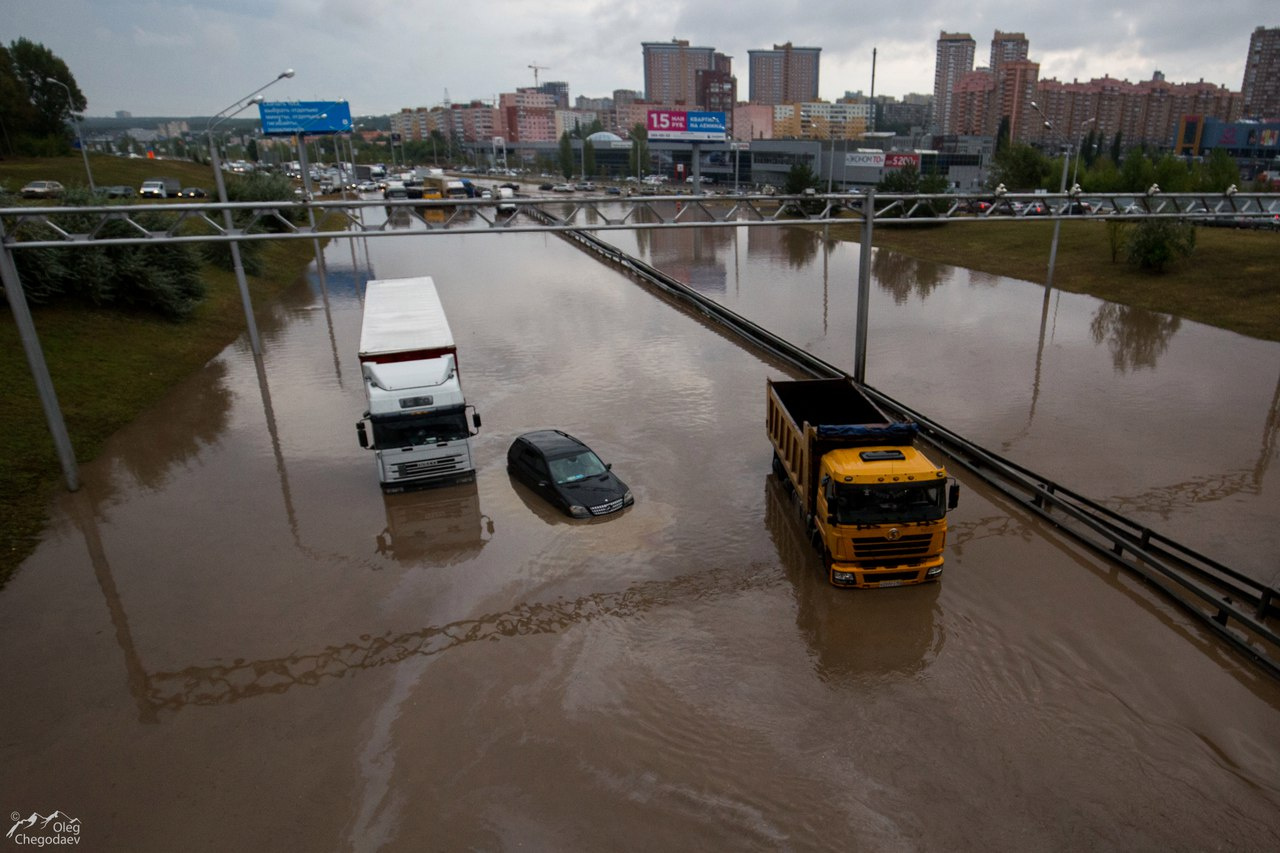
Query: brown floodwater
[[230, 639]]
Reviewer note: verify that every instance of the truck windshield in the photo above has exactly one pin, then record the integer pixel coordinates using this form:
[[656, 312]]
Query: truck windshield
[[886, 504], [407, 430]]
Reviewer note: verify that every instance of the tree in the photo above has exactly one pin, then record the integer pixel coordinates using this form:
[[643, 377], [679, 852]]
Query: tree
[[1218, 172], [33, 64], [639, 160], [1115, 148], [801, 178], [1137, 173], [1020, 167], [566, 155]]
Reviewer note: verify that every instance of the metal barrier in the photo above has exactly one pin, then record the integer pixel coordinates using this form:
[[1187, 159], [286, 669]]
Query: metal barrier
[[1229, 604]]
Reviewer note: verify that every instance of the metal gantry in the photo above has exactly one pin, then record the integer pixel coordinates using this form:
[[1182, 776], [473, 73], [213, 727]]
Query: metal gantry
[[48, 227]]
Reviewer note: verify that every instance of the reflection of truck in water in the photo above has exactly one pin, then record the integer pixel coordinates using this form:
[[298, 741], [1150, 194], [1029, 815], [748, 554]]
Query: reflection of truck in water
[[438, 527], [875, 505], [851, 636], [417, 413]]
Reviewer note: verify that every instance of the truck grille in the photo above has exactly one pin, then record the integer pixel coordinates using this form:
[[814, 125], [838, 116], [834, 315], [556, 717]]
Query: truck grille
[[606, 508], [880, 551], [427, 468]]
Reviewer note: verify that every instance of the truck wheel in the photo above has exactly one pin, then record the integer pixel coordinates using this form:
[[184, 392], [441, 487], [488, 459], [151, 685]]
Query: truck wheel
[[781, 473]]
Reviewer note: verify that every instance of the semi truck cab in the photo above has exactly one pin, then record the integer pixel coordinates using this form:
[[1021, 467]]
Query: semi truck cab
[[882, 508]]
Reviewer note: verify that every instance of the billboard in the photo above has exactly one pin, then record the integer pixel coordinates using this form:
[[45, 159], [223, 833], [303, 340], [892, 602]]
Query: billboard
[[897, 161], [682, 126], [854, 159], [290, 117]]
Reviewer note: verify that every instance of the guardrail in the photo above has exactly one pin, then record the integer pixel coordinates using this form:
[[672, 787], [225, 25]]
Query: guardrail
[[1233, 606]]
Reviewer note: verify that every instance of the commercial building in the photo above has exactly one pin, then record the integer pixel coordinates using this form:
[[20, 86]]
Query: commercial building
[[784, 75]]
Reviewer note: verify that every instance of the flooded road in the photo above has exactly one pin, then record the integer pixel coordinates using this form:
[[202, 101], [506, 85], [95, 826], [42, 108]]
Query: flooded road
[[230, 639], [1169, 422]]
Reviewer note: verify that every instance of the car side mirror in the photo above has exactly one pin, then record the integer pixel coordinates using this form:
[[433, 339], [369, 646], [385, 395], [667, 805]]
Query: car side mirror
[[362, 435], [953, 497]]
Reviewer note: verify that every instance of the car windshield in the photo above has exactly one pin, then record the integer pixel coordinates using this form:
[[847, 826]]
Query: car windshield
[[885, 504], [579, 466], [420, 429]]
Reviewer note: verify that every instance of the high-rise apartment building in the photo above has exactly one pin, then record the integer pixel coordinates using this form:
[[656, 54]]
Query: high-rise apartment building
[[954, 60], [1008, 47], [784, 75], [671, 69], [1260, 90]]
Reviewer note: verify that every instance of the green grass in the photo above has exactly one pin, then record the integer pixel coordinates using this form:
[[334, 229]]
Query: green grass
[[107, 365], [107, 171], [1231, 280]]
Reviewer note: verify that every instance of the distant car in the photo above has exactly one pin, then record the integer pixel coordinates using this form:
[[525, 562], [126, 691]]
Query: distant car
[[42, 189], [546, 187], [612, 191], [586, 187], [367, 187], [116, 191], [562, 188], [510, 186], [567, 474], [192, 192]]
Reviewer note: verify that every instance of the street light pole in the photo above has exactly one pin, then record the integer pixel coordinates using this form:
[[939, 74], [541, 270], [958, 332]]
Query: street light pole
[[246, 302], [71, 108], [1057, 222]]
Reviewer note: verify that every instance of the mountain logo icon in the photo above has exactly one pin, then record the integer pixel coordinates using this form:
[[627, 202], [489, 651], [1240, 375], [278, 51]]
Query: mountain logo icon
[[58, 821]]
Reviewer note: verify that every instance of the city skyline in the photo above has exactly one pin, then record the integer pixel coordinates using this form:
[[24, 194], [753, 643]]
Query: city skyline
[[380, 56]]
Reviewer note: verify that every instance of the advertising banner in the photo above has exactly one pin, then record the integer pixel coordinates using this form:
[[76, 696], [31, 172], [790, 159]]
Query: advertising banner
[[872, 159], [290, 117], [897, 161], [682, 126]]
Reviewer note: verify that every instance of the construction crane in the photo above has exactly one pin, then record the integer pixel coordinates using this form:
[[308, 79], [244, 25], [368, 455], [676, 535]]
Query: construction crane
[[536, 68]]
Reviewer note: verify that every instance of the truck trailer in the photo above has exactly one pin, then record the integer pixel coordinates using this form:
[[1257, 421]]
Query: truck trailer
[[418, 424], [875, 506]]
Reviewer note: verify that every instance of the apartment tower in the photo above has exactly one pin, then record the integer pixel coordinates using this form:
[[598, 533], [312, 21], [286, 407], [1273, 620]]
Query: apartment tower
[[784, 75], [1260, 90], [954, 60], [671, 70]]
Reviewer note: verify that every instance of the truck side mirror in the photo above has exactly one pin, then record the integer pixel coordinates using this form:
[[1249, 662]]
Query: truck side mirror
[[953, 497], [361, 435]]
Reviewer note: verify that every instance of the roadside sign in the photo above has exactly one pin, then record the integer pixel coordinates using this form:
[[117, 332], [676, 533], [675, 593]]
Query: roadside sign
[[290, 117], [683, 126]]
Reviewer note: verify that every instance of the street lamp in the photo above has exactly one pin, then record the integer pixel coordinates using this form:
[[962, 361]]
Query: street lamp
[[71, 110], [1076, 170], [239, 106], [1057, 222]]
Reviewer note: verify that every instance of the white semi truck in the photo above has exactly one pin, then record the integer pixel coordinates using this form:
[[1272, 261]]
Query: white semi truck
[[419, 424]]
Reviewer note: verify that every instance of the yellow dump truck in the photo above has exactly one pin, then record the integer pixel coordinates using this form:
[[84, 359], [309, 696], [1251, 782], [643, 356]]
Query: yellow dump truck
[[875, 505]]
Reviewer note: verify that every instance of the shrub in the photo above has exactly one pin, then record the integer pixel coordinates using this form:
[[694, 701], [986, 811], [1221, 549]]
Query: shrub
[[1153, 244]]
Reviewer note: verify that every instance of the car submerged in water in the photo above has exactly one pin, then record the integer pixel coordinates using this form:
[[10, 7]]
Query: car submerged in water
[[567, 474]]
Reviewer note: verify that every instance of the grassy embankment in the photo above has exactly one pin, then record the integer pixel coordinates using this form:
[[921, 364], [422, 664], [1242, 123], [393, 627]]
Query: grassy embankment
[[1231, 281], [107, 366]]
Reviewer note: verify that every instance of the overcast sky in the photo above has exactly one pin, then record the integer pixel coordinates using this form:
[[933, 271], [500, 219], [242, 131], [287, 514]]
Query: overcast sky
[[151, 57]]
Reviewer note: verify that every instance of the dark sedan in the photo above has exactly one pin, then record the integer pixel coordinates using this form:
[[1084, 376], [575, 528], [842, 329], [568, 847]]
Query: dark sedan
[[567, 474]]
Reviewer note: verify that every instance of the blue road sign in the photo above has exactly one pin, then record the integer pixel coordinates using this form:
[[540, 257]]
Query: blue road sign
[[290, 117]]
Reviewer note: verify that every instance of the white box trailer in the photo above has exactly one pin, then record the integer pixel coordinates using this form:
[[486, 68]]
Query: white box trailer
[[417, 416]]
